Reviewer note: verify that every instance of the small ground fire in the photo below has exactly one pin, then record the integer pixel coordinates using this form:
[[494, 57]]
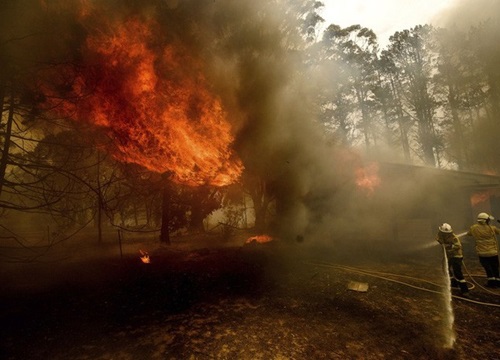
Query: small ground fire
[[259, 239], [144, 257]]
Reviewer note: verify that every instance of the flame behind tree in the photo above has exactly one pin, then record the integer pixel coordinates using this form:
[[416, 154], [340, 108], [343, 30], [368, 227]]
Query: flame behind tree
[[146, 90], [154, 101], [142, 82]]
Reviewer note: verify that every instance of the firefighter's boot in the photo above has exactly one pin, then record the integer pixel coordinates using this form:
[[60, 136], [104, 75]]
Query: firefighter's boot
[[492, 283], [464, 289], [454, 283]]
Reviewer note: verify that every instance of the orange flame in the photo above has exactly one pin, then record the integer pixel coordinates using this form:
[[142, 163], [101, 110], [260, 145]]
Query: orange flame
[[367, 177], [155, 102], [261, 239], [480, 197], [145, 257]]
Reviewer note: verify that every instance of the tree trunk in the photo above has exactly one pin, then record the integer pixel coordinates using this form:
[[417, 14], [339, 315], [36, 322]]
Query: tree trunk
[[100, 200], [461, 155], [197, 217], [165, 214], [402, 124], [99, 219], [260, 205], [6, 146], [365, 118], [260, 217], [136, 217]]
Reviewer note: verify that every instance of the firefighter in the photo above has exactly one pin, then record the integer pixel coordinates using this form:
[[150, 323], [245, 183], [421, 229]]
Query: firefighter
[[487, 247], [453, 247]]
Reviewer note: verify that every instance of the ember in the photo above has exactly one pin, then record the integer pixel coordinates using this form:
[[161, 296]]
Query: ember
[[152, 98]]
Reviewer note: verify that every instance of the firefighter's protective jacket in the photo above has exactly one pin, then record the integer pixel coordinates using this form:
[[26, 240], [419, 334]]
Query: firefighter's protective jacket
[[486, 242], [451, 243]]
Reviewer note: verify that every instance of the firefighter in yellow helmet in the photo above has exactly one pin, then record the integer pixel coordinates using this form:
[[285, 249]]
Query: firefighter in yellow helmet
[[487, 247], [454, 254]]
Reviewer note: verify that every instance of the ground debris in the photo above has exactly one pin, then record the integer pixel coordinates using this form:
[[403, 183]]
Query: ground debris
[[357, 286]]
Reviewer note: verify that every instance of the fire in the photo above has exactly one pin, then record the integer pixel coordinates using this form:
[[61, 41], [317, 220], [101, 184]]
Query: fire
[[144, 257], [367, 177], [153, 100], [480, 197], [260, 239]]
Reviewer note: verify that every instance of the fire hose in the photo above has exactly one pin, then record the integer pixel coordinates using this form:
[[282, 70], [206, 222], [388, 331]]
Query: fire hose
[[475, 282], [452, 270], [384, 276]]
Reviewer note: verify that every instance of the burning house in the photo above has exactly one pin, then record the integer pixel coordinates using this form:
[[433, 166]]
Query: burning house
[[421, 198]]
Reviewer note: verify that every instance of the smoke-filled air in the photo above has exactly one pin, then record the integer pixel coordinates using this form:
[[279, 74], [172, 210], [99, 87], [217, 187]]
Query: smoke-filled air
[[197, 175], [308, 124]]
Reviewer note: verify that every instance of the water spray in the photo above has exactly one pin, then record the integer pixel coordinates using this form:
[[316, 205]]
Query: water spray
[[449, 315], [435, 243]]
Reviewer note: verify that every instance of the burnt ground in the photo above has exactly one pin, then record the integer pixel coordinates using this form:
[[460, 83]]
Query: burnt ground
[[271, 301]]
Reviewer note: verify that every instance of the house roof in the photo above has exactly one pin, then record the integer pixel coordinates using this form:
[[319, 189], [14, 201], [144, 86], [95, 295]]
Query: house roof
[[459, 178]]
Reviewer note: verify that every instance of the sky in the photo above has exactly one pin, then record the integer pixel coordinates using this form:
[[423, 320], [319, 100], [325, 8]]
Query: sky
[[384, 17]]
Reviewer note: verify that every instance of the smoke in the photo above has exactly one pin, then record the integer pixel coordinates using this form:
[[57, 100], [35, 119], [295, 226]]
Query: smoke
[[464, 14], [269, 96], [251, 56]]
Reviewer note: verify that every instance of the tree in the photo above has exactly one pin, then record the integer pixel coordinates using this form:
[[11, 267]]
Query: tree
[[455, 76], [481, 101], [414, 59], [27, 45], [390, 96], [351, 52], [483, 40]]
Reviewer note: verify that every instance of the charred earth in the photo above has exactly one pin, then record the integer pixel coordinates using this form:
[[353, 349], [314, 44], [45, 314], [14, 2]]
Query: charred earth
[[234, 301]]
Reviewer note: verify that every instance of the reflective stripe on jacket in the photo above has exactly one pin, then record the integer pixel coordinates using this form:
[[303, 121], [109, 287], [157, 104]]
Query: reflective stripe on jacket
[[486, 242], [451, 243]]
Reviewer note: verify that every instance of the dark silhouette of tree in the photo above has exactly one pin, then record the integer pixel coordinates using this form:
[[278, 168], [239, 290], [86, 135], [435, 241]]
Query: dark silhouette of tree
[[481, 94], [390, 96], [483, 41], [356, 50], [414, 60], [455, 76]]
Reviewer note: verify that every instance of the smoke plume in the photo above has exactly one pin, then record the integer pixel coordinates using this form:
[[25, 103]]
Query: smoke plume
[[250, 56], [464, 14]]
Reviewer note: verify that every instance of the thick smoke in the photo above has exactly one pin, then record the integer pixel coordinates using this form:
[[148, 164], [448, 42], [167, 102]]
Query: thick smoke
[[254, 61], [265, 86], [464, 14], [251, 55], [252, 58]]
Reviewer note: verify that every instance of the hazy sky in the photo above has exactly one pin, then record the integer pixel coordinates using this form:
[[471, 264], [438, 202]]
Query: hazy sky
[[385, 17]]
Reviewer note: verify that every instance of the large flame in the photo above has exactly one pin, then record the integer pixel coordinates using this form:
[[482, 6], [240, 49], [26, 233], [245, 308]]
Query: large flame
[[154, 101]]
